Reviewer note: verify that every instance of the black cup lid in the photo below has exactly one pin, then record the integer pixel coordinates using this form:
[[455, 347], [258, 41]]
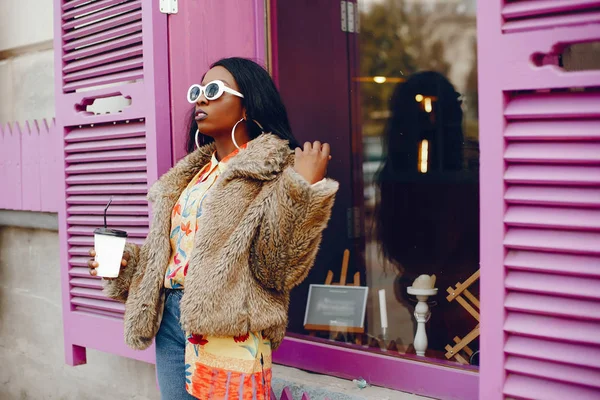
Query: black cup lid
[[110, 232]]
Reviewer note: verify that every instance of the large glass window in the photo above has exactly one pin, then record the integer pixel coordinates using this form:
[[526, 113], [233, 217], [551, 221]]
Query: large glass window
[[395, 93]]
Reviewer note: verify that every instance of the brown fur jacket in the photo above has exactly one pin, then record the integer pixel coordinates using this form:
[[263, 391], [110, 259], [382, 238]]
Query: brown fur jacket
[[259, 236]]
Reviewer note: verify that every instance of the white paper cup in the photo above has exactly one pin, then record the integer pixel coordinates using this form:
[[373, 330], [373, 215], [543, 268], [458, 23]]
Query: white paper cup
[[109, 245]]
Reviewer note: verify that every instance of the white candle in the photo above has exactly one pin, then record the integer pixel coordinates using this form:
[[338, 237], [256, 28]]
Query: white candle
[[383, 309]]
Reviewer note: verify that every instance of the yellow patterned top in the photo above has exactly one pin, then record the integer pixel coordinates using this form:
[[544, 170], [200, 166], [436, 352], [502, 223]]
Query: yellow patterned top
[[185, 219]]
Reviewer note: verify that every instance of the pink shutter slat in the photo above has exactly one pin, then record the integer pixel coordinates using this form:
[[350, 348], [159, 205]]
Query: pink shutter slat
[[549, 174], [573, 19], [549, 305], [113, 210], [106, 49], [91, 283], [549, 130], [88, 293], [569, 286], [77, 271], [553, 196], [553, 241], [521, 386], [128, 177], [556, 153], [564, 264], [105, 132], [94, 145], [115, 155], [559, 329], [558, 372], [553, 217], [88, 230], [107, 189], [553, 106], [81, 241], [113, 221], [110, 166], [551, 351], [94, 304], [526, 8], [540, 202], [117, 199], [79, 251]]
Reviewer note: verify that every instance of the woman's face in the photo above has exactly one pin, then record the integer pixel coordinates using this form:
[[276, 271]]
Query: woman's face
[[216, 117]]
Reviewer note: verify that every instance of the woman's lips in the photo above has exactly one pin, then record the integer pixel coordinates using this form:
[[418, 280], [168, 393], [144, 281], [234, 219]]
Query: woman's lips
[[200, 115]]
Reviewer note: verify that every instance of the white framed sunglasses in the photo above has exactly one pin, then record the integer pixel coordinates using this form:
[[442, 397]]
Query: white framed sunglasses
[[212, 91]]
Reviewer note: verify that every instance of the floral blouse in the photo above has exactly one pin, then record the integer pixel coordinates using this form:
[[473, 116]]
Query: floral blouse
[[185, 219], [215, 367]]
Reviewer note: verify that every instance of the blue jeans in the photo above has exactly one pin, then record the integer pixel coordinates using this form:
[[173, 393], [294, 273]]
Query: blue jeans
[[170, 351]]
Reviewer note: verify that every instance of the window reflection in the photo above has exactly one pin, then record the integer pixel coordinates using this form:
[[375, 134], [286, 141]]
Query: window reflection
[[414, 147], [425, 218], [418, 95]]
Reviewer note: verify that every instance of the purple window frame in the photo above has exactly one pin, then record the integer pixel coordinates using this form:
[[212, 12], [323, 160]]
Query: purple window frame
[[408, 374]]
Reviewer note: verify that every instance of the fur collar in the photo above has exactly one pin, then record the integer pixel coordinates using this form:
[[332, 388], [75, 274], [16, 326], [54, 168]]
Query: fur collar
[[263, 159]]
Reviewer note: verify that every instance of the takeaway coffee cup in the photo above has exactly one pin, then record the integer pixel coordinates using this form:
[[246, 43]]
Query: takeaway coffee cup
[[109, 245]]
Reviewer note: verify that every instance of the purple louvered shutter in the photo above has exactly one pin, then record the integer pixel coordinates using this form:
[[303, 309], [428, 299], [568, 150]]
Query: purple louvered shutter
[[540, 202], [106, 49]]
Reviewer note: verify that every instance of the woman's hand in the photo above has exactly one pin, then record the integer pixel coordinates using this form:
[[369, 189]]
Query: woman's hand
[[93, 264], [311, 162]]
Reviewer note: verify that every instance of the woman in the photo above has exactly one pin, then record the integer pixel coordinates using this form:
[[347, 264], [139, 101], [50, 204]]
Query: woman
[[236, 225]]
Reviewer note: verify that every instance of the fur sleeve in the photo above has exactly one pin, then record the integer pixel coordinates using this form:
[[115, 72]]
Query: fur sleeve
[[287, 241], [118, 288]]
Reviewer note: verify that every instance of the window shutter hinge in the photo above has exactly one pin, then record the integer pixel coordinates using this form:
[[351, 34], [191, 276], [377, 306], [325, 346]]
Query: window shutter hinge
[[168, 6], [349, 16], [344, 16]]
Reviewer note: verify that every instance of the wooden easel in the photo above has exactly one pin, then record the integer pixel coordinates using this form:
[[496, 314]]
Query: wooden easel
[[470, 303], [334, 330]]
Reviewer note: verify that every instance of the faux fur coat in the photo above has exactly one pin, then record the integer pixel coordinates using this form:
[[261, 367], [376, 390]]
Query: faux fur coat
[[257, 239]]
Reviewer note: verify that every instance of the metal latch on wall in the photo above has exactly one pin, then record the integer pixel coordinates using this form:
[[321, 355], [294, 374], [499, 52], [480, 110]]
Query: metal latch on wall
[[168, 6], [349, 17]]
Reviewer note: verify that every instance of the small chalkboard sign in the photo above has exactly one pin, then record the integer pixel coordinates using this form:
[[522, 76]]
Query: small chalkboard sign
[[336, 308]]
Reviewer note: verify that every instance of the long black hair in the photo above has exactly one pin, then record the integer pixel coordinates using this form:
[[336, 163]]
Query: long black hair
[[406, 217], [261, 100]]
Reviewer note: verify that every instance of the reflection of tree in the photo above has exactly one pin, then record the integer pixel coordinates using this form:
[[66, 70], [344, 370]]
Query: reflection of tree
[[394, 44]]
